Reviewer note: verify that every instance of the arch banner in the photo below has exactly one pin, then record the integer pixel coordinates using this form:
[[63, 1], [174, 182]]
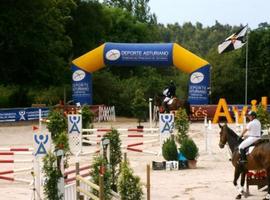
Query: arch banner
[[132, 54]]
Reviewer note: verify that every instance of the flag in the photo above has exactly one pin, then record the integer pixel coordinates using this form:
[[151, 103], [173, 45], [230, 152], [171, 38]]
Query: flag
[[235, 41], [35, 128]]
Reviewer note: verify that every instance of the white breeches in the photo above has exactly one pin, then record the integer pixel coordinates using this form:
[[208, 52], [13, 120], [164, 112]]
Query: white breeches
[[166, 99], [248, 141]]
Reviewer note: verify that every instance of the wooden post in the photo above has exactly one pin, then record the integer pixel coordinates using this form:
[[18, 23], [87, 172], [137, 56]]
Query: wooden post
[[77, 181], [125, 157], [101, 187], [148, 181]]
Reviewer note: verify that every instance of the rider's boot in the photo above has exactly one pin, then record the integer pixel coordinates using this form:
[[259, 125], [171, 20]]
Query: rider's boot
[[243, 157]]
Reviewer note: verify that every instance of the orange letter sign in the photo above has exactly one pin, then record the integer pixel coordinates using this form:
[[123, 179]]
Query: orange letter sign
[[222, 111]]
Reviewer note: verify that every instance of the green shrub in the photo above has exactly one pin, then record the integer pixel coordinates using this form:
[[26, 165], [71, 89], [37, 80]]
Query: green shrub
[[115, 155], [129, 185], [99, 162], [263, 116], [181, 124], [52, 175], [189, 149], [57, 124], [87, 117], [169, 149]]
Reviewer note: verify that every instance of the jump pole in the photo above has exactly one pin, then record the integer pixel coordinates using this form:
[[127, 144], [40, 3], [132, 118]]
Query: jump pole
[[205, 135], [119, 129], [150, 113]]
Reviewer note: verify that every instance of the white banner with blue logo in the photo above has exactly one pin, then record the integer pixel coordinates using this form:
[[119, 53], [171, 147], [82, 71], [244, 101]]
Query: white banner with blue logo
[[166, 124], [42, 144], [22, 114], [118, 54], [199, 86], [75, 133], [81, 86]]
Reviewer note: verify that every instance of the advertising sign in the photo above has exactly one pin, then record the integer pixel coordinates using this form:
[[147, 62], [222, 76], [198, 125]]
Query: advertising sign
[[81, 86], [117, 54], [199, 86], [22, 114]]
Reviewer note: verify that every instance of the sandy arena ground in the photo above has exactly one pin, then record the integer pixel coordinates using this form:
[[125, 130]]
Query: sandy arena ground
[[212, 180]]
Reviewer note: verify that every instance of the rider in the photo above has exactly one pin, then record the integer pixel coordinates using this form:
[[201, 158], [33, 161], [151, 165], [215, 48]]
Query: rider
[[168, 92], [253, 131]]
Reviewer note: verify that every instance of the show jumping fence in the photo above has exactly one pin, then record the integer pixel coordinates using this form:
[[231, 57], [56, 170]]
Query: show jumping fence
[[90, 139], [14, 153]]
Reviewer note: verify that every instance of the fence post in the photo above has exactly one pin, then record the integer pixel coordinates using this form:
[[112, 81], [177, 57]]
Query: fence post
[[77, 181], [150, 113], [125, 157], [148, 181], [101, 187]]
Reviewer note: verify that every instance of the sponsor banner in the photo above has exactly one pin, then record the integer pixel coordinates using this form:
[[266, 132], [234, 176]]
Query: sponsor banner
[[199, 86], [119, 54], [198, 112], [81, 86], [22, 114]]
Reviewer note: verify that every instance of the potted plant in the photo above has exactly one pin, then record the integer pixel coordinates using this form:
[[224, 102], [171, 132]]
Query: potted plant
[[170, 154], [139, 107], [190, 151]]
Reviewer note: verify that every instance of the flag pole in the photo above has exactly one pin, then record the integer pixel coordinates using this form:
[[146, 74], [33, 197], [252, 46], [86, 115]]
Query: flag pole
[[246, 77]]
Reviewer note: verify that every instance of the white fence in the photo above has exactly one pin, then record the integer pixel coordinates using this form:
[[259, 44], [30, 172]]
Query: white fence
[[106, 113]]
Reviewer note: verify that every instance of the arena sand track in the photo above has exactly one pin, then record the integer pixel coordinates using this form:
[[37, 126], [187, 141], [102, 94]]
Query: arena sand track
[[212, 180]]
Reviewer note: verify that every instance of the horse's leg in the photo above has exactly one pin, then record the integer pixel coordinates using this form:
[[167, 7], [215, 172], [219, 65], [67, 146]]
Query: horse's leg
[[237, 173], [268, 185], [242, 182]]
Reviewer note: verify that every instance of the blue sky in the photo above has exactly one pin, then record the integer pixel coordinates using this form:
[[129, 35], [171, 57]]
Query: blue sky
[[232, 12]]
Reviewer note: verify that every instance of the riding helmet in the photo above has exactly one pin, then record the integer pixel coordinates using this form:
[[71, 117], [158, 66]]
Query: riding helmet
[[252, 113]]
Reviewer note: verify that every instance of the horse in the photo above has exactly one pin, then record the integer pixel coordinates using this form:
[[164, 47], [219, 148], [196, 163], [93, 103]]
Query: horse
[[258, 159], [173, 104]]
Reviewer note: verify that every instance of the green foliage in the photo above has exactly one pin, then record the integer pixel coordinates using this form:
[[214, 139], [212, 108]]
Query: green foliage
[[42, 36], [57, 124], [6, 95], [189, 149], [129, 185], [115, 155], [87, 116], [49, 96], [139, 106], [169, 149], [97, 163], [33, 38], [263, 116], [52, 175], [181, 124]]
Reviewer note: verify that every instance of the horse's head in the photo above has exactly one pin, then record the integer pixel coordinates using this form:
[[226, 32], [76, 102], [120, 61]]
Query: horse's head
[[223, 135]]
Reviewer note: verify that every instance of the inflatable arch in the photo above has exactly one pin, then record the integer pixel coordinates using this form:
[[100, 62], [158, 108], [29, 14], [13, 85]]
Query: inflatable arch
[[129, 54]]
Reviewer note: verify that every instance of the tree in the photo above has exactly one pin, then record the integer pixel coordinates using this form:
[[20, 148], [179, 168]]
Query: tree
[[33, 39], [139, 106], [181, 124]]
